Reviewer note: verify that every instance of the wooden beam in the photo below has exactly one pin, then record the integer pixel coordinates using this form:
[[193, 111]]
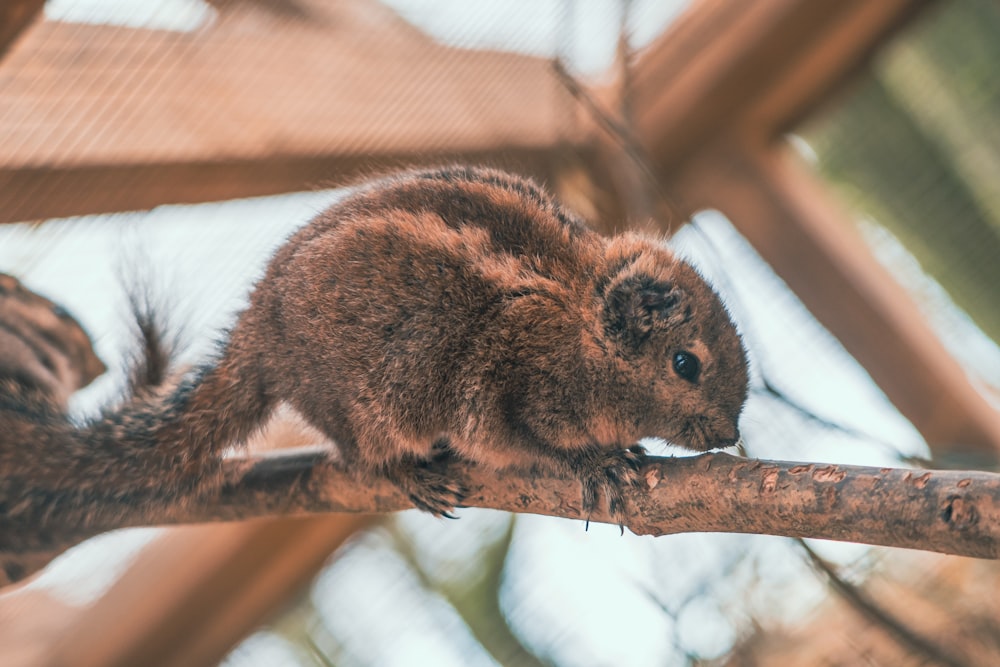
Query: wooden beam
[[810, 242], [40, 193], [102, 118], [15, 16], [726, 65], [192, 595]]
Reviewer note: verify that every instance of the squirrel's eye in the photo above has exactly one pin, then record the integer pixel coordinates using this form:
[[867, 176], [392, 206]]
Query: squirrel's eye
[[60, 312], [686, 365]]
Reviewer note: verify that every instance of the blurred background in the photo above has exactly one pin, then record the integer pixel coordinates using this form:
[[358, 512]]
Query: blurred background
[[832, 166]]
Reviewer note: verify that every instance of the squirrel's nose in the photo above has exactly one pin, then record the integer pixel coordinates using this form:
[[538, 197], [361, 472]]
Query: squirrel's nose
[[732, 439]]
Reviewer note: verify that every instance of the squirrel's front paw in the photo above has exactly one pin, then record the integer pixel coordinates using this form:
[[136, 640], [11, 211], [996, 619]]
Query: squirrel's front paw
[[610, 472], [428, 489]]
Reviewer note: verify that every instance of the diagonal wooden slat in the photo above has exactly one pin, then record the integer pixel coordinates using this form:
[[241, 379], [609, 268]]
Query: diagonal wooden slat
[[808, 239], [755, 67]]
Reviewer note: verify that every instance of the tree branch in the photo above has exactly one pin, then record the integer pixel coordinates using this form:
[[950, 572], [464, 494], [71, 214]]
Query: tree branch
[[934, 510]]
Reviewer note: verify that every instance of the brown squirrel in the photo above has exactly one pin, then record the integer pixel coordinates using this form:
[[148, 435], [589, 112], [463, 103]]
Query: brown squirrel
[[454, 311]]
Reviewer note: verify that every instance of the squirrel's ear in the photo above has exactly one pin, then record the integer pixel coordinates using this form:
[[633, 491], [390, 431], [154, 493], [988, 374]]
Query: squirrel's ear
[[636, 304]]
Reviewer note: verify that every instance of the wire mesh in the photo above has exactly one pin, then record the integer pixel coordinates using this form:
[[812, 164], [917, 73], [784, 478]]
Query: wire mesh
[[494, 588]]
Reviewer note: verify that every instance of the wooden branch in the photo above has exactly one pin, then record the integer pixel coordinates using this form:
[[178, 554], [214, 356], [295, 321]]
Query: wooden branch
[[947, 511]]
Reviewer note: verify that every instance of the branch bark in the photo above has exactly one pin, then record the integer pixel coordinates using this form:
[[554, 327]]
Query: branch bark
[[955, 512], [947, 511]]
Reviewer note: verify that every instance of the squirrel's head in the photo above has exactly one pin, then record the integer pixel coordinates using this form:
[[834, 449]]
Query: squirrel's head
[[674, 345]]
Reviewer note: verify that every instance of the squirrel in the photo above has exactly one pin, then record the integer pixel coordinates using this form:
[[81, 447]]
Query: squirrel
[[456, 311]]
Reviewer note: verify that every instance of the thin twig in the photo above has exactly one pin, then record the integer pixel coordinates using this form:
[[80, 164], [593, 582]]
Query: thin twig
[[618, 131]]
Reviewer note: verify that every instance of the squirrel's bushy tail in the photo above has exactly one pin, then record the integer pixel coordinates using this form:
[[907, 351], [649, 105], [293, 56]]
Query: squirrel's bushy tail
[[168, 441], [160, 446]]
